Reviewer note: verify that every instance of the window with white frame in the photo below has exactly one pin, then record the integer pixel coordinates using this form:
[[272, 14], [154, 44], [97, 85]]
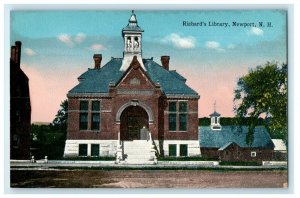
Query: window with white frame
[[178, 118], [253, 153], [89, 112]]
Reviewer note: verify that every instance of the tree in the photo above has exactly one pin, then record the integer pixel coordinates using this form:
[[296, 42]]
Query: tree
[[61, 118], [263, 92]]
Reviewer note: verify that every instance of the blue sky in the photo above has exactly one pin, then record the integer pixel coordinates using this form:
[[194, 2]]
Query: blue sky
[[58, 46]]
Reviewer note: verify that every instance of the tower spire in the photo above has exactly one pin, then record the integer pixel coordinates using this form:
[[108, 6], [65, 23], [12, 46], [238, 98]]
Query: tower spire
[[215, 106]]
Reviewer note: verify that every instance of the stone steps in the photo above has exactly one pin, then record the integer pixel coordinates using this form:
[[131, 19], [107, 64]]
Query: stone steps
[[139, 152]]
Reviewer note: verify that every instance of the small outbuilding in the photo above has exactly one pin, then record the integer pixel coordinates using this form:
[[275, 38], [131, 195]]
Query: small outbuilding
[[228, 143]]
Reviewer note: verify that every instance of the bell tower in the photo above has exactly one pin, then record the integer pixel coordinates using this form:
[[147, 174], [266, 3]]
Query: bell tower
[[132, 37]]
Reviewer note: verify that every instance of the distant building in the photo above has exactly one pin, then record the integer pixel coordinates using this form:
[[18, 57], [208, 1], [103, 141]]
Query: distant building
[[228, 143], [118, 108], [20, 109]]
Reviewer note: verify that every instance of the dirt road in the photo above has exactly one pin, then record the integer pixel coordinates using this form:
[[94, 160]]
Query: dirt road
[[148, 179]]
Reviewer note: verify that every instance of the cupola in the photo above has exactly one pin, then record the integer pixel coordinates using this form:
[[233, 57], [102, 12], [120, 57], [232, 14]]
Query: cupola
[[215, 120], [132, 37]]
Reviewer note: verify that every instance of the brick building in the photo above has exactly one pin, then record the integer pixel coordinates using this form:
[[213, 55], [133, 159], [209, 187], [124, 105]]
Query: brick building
[[20, 108], [228, 143], [132, 108]]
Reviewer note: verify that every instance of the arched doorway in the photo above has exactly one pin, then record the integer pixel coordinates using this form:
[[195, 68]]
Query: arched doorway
[[133, 119]]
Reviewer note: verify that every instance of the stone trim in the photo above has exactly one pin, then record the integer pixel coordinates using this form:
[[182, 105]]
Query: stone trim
[[135, 103], [88, 95]]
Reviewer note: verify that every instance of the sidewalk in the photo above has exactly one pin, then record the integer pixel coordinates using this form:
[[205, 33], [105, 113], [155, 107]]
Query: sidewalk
[[65, 164]]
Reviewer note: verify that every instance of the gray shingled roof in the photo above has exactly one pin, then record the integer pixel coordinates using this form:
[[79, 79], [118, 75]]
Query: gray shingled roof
[[98, 80], [214, 114], [234, 134]]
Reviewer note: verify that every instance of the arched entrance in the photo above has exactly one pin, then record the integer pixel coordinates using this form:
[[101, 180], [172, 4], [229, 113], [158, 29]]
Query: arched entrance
[[133, 119]]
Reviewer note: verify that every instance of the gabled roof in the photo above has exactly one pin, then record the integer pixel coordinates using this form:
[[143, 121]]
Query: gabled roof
[[98, 80], [226, 145], [237, 134], [170, 84]]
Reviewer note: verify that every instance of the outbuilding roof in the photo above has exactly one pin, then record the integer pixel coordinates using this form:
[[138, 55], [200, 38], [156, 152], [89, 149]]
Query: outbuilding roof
[[98, 80], [234, 134]]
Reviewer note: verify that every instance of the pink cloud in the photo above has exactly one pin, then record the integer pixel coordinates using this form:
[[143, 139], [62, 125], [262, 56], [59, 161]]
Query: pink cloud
[[213, 86], [47, 90]]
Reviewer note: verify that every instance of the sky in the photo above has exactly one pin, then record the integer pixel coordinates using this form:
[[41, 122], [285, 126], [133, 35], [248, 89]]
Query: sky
[[57, 46]]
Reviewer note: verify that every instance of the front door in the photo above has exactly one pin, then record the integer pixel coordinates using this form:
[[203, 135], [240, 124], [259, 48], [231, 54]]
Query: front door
[[133, 119], [133, 127]]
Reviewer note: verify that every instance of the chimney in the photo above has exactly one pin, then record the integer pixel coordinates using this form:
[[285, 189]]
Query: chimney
[[97, 60], [13, 54], [165, 62], [18, 52]]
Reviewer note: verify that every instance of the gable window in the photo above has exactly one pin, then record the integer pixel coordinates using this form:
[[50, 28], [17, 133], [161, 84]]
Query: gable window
[[83, 149], [178, 116], [95, 115], [172, 150]]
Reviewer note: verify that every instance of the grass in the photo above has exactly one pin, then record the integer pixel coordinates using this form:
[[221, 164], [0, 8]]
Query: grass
[[185, 159]]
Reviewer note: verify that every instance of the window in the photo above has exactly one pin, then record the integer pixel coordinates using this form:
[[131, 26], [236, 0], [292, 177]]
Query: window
[[182, 116], [95, 150], [89, 113], [172, 106], [183, 150], [253, 154], [84, 105], [95, 105], [95, 121], [95, 115], [182, 122], [182, 107], [83, 116], [178, 116], [172, 122], [83, 123], [172, 150], [82, 149], [172, 116]]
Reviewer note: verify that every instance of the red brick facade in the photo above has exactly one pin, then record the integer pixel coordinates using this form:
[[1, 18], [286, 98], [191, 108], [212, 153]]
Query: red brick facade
[[144, 93]]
